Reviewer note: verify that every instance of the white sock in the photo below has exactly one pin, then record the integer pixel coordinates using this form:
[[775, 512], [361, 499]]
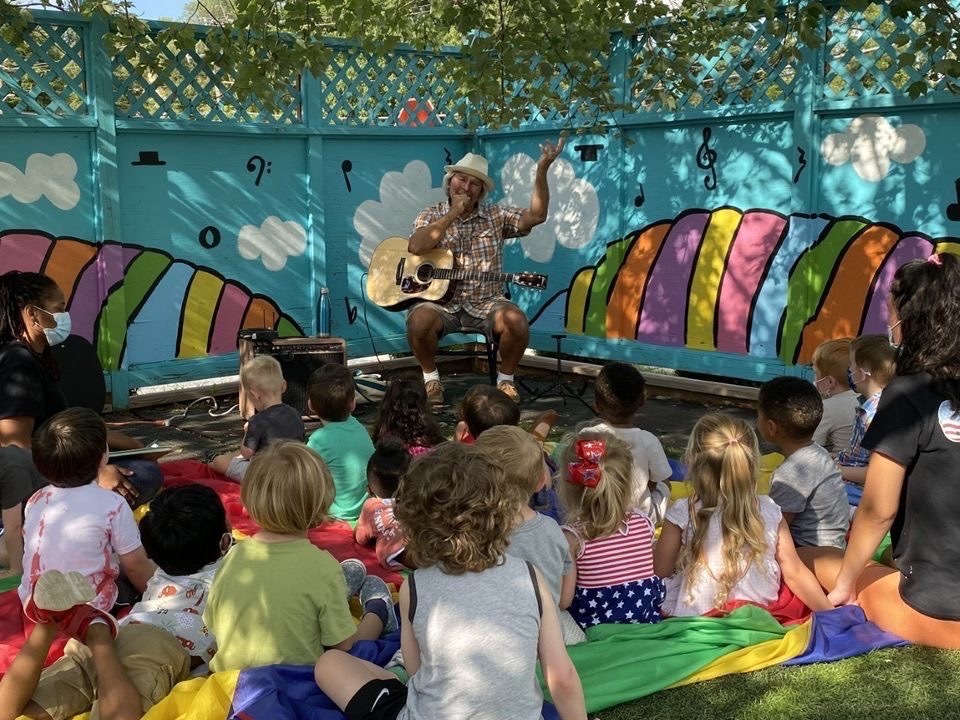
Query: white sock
[[501, 377], [428, 376]]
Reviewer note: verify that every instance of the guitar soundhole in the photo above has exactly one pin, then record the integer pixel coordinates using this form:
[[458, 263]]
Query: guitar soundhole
[[425, 273]]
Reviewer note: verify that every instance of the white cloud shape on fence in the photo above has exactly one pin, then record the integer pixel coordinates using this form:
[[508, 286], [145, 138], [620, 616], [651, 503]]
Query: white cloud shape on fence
[[402, 196], [44, 175], [274, 241], [574, 206], [870, 144]]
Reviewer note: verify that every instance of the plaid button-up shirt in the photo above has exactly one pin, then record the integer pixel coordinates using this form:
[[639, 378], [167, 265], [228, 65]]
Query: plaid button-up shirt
[[477, 244]]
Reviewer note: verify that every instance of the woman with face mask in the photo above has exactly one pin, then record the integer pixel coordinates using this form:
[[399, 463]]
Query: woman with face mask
[[32, 318]]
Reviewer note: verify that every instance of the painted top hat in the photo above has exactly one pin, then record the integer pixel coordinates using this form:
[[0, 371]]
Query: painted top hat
[[149, 157]]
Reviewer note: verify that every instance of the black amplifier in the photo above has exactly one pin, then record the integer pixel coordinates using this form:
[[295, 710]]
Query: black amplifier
[[298, 357]]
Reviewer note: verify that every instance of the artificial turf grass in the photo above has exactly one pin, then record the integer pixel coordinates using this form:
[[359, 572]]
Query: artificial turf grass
[[893, 684]]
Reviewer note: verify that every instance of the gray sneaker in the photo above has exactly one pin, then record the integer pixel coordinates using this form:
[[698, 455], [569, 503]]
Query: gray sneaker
[[354, 572], [374, 587], [434, 392]]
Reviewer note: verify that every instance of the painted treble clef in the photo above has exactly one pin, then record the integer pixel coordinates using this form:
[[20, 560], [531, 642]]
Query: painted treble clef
[[707, 159]]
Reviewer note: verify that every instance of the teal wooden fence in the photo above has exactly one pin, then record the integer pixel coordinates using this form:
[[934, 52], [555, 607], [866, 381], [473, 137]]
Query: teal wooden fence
[[725, 230]]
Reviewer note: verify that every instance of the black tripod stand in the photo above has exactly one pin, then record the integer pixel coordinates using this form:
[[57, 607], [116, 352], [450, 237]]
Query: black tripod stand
[[560, 387]]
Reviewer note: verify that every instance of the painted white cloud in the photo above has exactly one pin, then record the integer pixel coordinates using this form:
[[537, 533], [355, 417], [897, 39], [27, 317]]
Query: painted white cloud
[[44, 175], [870, 144], [274, 241], [574, 206], [402, 196]]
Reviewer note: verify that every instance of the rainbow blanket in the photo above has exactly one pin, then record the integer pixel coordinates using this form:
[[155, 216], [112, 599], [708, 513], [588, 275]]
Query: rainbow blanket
[[617, 664]]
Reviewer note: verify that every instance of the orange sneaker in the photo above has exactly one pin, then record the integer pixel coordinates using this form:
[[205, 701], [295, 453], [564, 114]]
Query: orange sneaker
[[434, 392], [509, 388]]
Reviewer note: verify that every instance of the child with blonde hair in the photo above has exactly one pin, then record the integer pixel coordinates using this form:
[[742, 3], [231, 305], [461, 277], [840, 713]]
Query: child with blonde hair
[[725, 542], [613, 580], [262, 380], [831, 359], [278, 598], [536, 538], [476, 620], [872, 366]]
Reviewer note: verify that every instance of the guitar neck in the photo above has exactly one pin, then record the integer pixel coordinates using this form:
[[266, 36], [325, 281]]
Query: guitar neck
[[456, 274]]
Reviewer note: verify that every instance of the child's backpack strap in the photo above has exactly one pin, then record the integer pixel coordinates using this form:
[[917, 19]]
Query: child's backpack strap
[[412, 589], [536, 588]]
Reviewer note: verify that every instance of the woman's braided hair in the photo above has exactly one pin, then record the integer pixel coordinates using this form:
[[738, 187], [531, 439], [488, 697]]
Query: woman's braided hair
[[17, 291]]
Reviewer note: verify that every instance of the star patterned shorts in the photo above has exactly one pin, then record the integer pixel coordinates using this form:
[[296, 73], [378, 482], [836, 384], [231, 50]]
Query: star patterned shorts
[[633, 602]]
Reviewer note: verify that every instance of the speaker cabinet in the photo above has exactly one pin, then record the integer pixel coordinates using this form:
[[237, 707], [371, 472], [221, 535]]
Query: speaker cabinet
[[298, 358]]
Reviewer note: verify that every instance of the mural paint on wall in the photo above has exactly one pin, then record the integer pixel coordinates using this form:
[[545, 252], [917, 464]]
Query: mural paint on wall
[[49, 176], [173, 308], [750, 282], [870, 144], [273, 242]]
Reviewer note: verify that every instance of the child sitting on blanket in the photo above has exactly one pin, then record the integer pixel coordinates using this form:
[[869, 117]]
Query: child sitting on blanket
[[163, 636], [475, 620], [537, 539], [377, 522], [612, 543], [405, 415], [807, 485], [278, 598], [831, 360], [619, 394], [262, 380], [726, 543], [342, 442], [484, 407], [872, 366], [79, 537]]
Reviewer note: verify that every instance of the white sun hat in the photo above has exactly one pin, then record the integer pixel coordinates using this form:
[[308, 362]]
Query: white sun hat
[[475, 166]]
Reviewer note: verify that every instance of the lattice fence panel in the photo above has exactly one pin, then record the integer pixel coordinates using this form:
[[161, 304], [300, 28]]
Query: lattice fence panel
[[863, 54], [750, 70], [43, 73], [190, 88], [403, 89], [573, 89]]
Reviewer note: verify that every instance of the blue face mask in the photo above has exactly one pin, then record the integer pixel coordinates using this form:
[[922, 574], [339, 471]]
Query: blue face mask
[[61, 332]]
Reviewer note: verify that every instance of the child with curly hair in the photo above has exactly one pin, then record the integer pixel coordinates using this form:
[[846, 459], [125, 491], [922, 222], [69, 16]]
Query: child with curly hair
[[725, 542], [465, 655]]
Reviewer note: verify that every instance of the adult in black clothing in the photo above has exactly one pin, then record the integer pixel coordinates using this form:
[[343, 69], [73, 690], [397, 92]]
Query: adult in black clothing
[[33, 317]]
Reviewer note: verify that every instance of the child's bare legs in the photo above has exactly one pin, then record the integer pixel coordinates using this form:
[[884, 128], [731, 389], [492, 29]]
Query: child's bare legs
[[543, 424], [340, 675], [20, 680], [117, 697], [221, 462]]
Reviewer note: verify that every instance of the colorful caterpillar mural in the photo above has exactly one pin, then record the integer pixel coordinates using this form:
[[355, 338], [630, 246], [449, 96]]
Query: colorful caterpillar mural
[[144, 286], [751, 282]]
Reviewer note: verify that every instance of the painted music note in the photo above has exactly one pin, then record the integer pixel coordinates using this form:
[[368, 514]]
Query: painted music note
[[448, 159], [252, 167], [209, 237], [802, 162], [640, 199], [707, 160], [351, 311], [346, 166], [953, 209]]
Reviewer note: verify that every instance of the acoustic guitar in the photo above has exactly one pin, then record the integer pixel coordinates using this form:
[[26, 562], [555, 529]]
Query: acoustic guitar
[[397, 278]]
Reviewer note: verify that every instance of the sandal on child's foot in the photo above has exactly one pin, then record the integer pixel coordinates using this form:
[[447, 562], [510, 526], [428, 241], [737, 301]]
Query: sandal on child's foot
[[375, 588], [61, 598], [354, 572]]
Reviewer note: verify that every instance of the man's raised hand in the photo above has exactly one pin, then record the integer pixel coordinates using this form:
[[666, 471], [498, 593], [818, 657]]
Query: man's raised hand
[[549, 152]]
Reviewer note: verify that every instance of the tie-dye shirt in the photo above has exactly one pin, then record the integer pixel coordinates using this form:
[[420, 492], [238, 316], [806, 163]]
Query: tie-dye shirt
[[82, 529]]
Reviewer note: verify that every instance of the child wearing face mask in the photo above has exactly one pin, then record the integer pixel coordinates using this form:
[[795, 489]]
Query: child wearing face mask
[[831, 360], [872, 366]]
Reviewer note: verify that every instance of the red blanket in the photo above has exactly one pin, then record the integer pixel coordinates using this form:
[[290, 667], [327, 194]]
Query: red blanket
[[335, 537]]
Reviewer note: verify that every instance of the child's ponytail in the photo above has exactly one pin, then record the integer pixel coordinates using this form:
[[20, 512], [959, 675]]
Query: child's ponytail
[[595, 482]]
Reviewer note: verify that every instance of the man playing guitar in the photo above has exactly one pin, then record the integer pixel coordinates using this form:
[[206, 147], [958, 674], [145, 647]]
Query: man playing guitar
[[475, 233]]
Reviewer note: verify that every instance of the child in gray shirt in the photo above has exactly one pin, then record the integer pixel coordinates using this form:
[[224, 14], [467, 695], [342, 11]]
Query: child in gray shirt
[[807, 486]]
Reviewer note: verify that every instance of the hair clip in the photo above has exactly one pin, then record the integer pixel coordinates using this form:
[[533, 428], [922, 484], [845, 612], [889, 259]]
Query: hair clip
[[935, 259], [585, 470]]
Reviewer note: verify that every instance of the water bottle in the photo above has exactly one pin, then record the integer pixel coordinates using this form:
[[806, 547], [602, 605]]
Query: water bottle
[[324, 313]]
